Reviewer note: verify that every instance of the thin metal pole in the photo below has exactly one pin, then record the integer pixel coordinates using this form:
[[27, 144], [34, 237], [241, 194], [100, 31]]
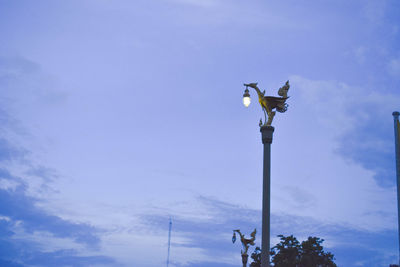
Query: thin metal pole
[[244, 259], [169, 239], [266, 136], [397, 150]]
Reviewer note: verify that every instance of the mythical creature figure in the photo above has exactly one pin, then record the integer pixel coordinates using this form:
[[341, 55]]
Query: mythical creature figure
[[268, 103], [245, 242]]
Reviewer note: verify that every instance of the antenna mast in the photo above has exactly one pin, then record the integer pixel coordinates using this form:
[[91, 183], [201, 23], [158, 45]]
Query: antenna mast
[[169, 239]]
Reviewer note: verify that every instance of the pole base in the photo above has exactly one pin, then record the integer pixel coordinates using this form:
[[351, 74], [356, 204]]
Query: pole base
[[266, 134]]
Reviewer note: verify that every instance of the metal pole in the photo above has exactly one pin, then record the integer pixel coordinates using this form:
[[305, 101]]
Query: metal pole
[[397, 150], [169, 239], [244, 259], [266, 136]]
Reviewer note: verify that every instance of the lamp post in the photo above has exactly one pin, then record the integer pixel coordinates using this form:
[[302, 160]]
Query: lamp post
[[268, 105], [396, 115], [246, 242]]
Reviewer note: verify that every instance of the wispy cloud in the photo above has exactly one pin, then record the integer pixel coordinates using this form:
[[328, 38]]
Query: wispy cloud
[[365, 135], [8, 152], [210, 240], [22, 219], [26, 228]]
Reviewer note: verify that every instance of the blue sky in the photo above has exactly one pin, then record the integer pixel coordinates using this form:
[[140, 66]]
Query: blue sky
[[116, 115]]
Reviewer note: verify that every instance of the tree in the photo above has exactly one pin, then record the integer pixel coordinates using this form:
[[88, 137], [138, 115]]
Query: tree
[[312, 254], [286, 253], [290, 253], [256, 256]]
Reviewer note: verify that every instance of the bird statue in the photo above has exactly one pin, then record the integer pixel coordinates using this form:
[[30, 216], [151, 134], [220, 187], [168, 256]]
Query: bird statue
[[269, 103], [245, 241]]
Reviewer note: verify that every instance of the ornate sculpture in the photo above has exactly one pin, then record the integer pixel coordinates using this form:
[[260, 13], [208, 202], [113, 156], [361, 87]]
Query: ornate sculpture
[[268, 103], [245, 243]]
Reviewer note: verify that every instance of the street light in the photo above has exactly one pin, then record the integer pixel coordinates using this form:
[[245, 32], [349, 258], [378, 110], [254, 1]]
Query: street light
[[246, 98], [269, 105], [246, 242]]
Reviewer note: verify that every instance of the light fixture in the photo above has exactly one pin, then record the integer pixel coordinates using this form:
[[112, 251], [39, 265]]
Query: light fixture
[[246, 98]]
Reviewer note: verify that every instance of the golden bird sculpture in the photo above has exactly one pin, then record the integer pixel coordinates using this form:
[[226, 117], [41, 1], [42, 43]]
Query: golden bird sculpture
[[245, 241], [271, 104]]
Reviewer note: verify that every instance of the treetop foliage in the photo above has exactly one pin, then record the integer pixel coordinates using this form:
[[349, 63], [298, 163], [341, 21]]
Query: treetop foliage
[[289, 252]]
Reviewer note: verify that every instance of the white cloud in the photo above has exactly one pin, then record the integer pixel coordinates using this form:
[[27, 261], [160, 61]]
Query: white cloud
[[8, 184], [342, 191], [5, 218]]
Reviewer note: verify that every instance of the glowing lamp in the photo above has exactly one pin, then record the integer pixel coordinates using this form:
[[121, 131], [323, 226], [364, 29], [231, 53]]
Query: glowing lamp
[[246, 98]]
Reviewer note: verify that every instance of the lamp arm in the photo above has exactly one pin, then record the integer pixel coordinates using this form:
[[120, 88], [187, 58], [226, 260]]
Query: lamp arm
[[254, 86]]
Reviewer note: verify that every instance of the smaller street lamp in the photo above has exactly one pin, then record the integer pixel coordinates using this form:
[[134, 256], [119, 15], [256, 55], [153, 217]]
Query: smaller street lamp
[[246, 243]]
